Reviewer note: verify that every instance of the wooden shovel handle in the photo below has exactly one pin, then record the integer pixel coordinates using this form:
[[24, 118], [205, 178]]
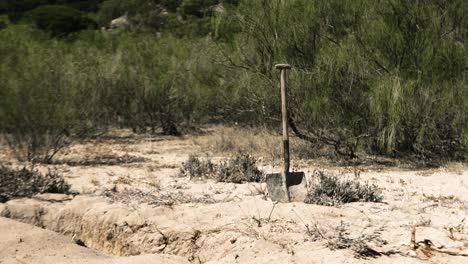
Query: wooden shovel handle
[[284, 115]]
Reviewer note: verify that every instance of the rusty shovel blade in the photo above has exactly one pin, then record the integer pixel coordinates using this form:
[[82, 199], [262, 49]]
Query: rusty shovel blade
[[294, 191]]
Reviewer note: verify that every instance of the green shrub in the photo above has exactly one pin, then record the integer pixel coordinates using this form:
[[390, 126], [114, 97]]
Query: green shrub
[[60, 20], [26, 183], [16, 9], [197, 8], [239, 169], [382, 77], [82, 5], [160, 83], [371, 76], [195, 167], [329, 190], [48, 97]]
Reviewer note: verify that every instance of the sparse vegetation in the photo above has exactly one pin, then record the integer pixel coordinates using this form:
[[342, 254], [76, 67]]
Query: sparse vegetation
[[241, 168], [134, 196], [105, 159], [21, 183], [337, 238], [329, 190], [195, 167], [260, 142], [60, 20], [360, 245]]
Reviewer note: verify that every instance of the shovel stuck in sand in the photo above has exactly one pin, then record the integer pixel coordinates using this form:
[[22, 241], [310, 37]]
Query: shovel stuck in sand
[[286, 186]]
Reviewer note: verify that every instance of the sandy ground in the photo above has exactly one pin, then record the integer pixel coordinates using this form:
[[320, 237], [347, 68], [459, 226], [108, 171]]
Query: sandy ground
[[145, 211], [23, 243]]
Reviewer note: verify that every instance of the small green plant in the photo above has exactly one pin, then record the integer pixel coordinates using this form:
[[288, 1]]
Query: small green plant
[[26, 183], [329, 190]]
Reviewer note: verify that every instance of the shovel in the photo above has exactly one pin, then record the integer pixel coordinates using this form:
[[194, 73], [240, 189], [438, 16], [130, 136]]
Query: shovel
[[286, 186]]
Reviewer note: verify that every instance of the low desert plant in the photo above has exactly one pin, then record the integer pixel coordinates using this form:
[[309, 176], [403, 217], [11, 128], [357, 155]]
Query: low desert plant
[[196, 167], [339, 237], [361, 245], [329, 190], [138, 196], [241, 168], [26, 183], [103, 160]]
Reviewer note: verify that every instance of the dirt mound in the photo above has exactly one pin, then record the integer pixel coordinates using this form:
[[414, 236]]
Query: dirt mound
[[22, 243]]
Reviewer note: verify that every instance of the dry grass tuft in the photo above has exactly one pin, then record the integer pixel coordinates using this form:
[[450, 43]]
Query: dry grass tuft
[[241, 168], [105, 159], [339, 238], [329, 190], [138, 196], [444, 199], [259, 142], [359, 245], [195, 167]]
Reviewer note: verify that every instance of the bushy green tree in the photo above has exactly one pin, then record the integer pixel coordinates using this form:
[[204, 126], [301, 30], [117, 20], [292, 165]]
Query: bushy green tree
[[385, 76], [43, 103], [156, 83]]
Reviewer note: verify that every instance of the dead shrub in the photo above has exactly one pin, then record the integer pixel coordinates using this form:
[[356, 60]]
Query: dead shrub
[[361, 245], [241, 168], [339, 237], [196, 167], [138, 196], [329, 190], [26, 183], [103, 160]]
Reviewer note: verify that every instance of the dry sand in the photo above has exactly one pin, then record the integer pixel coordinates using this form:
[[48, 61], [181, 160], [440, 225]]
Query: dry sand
[[24, 243], [145, 212]]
